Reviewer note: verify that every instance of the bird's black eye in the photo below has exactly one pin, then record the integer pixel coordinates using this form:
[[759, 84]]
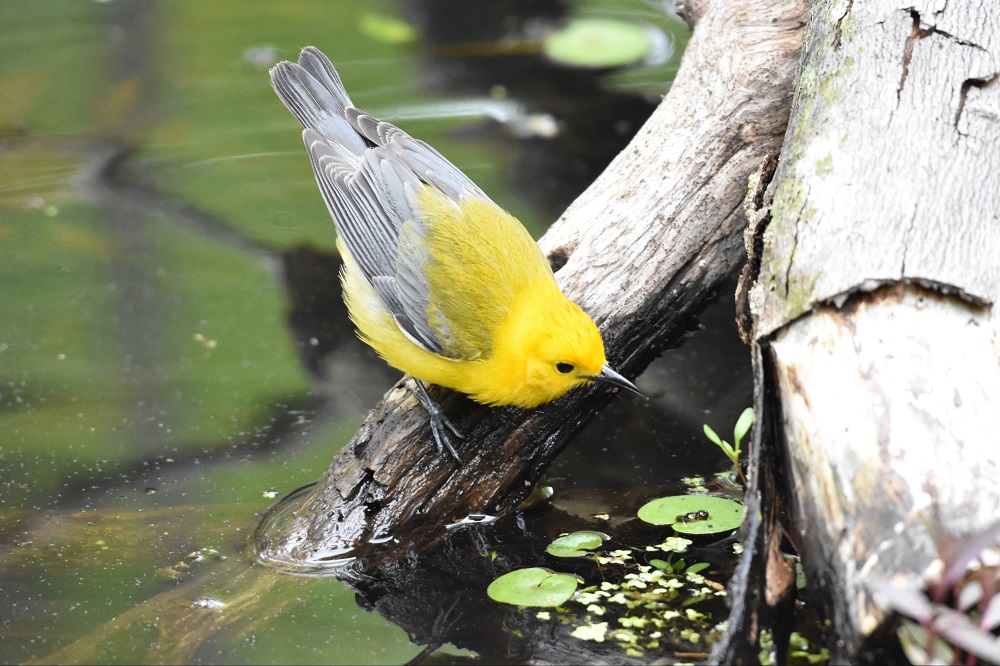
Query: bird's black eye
[[564, 367]]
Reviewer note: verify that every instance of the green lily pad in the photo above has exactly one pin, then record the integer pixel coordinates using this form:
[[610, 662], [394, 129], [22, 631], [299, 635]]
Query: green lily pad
[[693, 514], [598, 42], [532, 587], [387, 29], [576, 544]]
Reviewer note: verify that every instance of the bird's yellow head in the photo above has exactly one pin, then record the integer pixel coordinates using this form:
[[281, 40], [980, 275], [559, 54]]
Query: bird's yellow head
[[548, 347], [564, 352]]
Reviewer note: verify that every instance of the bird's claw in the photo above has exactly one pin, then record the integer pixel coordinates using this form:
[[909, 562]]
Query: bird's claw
[[440, 425]]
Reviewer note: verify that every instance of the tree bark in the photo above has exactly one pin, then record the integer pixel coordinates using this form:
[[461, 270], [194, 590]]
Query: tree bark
[[640, 250], [874, 305]]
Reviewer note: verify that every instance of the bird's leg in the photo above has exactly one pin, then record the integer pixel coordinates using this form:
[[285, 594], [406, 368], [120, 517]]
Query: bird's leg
[[439, 422]]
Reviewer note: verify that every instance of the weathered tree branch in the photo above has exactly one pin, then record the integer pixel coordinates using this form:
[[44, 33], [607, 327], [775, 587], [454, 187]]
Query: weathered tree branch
[[641, 250]]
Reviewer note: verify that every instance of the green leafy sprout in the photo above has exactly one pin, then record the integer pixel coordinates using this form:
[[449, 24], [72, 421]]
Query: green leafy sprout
[[743, 424]]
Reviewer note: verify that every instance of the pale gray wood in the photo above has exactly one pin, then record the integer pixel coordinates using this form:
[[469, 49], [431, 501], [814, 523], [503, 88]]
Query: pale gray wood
[[879, 271], [891, 410], [892, 165]]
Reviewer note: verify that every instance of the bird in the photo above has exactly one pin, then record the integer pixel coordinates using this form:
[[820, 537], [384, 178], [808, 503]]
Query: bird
[[440, 281]]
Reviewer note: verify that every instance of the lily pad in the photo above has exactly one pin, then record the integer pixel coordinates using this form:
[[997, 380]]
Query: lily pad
[[387, 29], [694, 514], [576, 544], [532, 587], [599, 42]]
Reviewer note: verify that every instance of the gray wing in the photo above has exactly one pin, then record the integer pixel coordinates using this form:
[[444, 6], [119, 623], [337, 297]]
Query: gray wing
[[369, 173]]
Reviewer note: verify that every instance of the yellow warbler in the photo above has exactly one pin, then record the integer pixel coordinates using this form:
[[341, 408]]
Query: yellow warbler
[[439, 280]]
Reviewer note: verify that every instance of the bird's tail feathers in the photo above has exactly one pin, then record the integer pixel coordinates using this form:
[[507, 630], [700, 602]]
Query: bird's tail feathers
[[312, 90]]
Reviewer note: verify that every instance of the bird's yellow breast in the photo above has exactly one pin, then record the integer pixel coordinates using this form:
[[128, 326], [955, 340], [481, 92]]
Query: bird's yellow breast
[[504, 325], [480, 261]]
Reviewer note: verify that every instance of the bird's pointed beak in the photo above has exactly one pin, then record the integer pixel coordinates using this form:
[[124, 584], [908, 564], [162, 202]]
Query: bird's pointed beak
[[609, 376]]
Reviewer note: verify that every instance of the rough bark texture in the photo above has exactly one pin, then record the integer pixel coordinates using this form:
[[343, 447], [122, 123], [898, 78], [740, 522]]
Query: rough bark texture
[[891, 170], [640, 250], [759, 599], [874, 304]]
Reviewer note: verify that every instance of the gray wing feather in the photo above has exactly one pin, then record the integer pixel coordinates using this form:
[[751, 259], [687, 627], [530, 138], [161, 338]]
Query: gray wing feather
[[369, 173], [420, 158], [360, 224], [388, 292]]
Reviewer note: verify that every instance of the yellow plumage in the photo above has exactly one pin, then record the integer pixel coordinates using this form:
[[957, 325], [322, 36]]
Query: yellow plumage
[[440, 281]]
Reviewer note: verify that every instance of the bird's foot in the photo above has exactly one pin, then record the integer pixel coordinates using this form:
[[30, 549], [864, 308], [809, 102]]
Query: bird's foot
[[440, 425]]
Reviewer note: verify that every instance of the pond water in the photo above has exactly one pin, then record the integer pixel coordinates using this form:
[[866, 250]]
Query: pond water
[[174, 354]]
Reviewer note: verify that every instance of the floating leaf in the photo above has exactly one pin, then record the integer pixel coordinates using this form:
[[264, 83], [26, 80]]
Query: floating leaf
[[576, 544], [675, 544], [387, 29], [596, 42], [687, 513], [700, 566], [532, 587]]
